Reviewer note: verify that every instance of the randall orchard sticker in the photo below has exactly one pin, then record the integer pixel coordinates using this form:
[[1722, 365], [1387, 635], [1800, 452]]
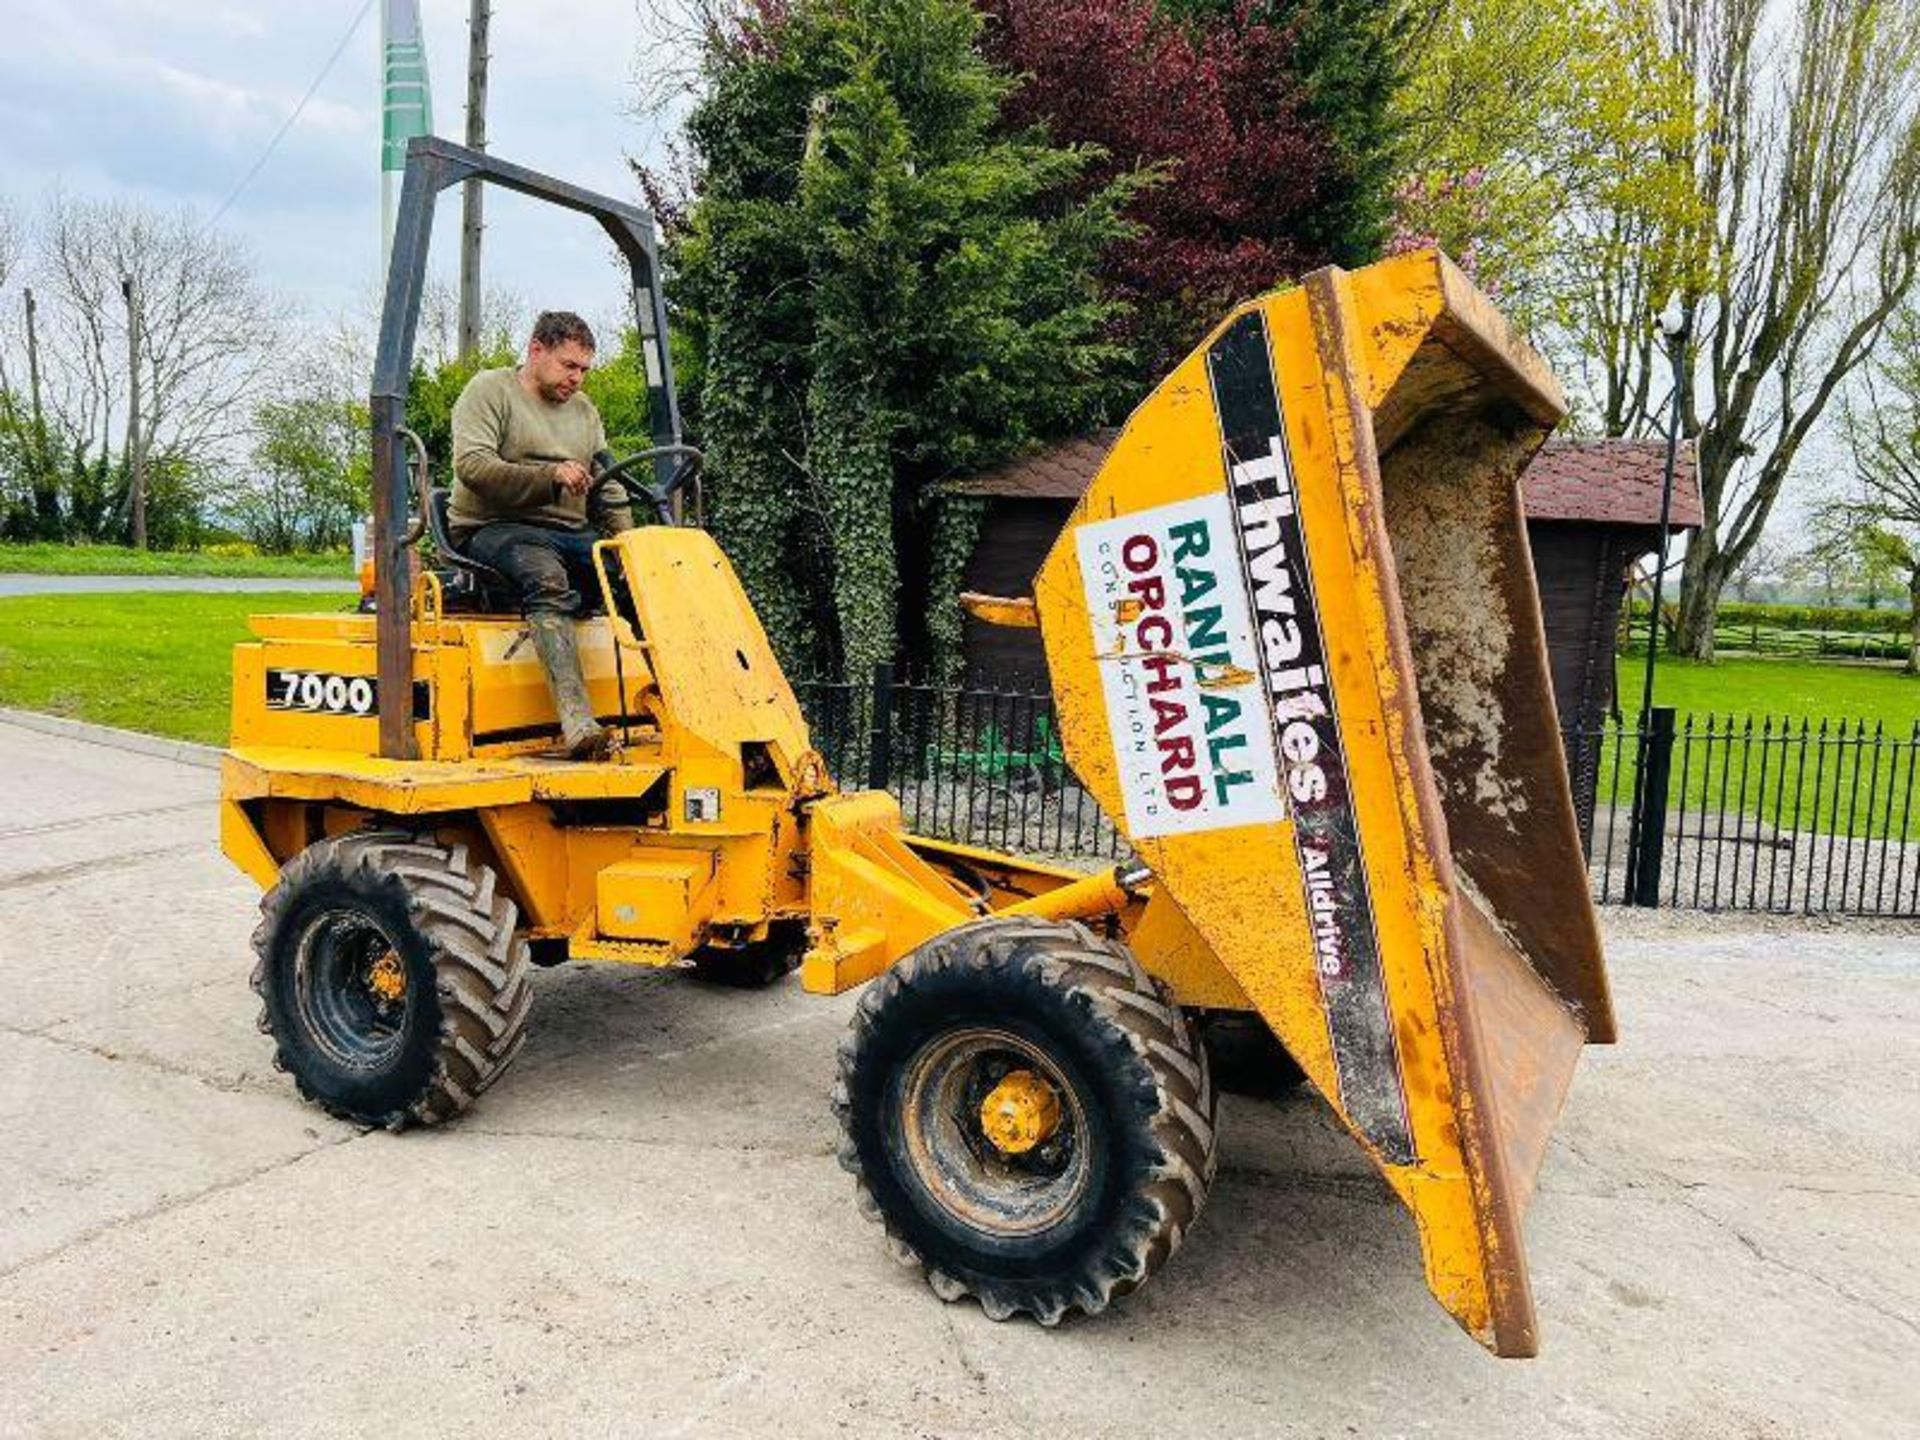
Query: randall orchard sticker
[[1192, 730]]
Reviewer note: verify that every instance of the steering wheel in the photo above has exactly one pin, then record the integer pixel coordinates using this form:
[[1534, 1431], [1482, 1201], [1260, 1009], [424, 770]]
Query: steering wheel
[[686, 475]]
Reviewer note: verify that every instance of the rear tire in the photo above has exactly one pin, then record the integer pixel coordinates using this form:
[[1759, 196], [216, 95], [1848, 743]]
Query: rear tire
[[390, 977], [1245, 1056], [755, 966], [1116, 1163]]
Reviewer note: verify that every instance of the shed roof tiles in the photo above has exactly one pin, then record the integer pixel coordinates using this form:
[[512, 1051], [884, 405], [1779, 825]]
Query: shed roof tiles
[[1613, 482]]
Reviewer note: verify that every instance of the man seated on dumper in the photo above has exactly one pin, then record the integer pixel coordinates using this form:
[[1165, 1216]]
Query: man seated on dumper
[[526, 501]]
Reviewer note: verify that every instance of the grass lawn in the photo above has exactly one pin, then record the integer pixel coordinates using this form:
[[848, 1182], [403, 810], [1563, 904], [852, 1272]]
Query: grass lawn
[[160, 663], [44, 559], [1851, 781], [1795, 689]]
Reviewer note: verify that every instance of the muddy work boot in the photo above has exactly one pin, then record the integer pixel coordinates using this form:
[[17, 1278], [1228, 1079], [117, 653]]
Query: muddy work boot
[[581, 737]]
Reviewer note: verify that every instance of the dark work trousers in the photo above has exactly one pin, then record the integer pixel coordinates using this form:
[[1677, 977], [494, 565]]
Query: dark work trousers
[[552, 570]]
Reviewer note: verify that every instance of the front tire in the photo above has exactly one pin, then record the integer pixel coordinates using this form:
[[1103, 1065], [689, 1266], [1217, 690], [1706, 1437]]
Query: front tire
[[390, 976], [1028, 1116]]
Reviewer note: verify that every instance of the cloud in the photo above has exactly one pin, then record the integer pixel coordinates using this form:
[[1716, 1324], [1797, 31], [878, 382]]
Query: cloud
[[160, 100], [173, 103]]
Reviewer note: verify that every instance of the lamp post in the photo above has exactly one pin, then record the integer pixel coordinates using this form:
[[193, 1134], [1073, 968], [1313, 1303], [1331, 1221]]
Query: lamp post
[[1647, 832], [1673, 326]]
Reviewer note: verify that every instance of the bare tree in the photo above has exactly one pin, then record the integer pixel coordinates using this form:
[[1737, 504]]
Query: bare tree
[[1626, 238], [20, 453], [13, 255], [310, 460], [13, 252], [13, 241], [207, 330], [1804, 146], [675, 37], [1884, 428], [1762, 564], [503, 314]]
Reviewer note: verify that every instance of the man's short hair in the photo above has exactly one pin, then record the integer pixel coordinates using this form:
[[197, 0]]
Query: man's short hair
[[557, 327]]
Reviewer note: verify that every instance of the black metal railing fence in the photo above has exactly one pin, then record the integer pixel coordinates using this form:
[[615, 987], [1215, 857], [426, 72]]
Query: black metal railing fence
[[1708, 812], [1752, 813], [977, 766]]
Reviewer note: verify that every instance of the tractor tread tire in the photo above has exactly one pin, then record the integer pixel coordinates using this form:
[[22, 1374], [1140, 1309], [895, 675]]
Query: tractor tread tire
[[481, 968], [1143, 1032]]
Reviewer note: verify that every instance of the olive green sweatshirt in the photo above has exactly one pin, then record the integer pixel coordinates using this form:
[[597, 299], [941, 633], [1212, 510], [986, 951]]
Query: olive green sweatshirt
[[505, 445]]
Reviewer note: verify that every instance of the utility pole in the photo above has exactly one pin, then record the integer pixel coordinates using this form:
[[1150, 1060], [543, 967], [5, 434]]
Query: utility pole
[[46, 504], [472, 191], [33, 385], [136, 446]]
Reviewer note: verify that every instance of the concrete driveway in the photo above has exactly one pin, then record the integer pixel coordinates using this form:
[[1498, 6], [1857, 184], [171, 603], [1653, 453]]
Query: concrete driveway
[[642, 1231]]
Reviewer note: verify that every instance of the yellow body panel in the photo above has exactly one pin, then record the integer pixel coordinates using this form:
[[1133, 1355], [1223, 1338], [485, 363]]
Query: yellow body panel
[[714, 821], [717, 675], [477, 690], [666, 899], [1015, 614], [874, 898]]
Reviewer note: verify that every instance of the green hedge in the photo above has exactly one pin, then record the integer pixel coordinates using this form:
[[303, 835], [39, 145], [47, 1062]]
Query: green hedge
[[226, 559], [1847, 620]]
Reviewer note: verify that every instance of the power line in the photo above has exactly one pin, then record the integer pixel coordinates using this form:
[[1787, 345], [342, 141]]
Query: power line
[[293, 119]]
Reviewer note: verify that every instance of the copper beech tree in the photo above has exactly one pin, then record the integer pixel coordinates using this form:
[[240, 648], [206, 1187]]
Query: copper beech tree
[[1266, 124]]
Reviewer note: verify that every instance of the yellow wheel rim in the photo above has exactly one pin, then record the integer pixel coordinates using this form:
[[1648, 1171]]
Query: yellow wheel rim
[[1021, 1112], [388, 978], [993, 1132]]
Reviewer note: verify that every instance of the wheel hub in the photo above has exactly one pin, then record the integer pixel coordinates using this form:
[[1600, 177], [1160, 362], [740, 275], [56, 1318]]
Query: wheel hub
[[1021, 1112], [387, 979], [351, 989], [993, 1132]]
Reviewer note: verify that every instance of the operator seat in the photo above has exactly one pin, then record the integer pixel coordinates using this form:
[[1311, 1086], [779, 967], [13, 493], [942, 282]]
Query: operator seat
[[472, 588]]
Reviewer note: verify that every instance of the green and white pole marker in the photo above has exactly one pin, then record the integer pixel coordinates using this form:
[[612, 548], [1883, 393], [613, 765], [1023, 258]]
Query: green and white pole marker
[[406, 102]]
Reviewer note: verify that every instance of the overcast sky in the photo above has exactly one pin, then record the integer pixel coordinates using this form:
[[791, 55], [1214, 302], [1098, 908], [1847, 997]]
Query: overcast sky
[[172, 101]]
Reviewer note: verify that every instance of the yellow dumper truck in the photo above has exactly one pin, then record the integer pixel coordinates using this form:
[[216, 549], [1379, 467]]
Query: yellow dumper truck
[[1297, 658]]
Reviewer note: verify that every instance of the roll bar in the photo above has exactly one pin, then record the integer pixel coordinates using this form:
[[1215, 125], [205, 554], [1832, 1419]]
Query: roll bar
[[434, 165]]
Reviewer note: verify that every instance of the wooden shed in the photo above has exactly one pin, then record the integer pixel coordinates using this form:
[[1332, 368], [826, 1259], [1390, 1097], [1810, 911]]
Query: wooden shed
[[1593, 511]]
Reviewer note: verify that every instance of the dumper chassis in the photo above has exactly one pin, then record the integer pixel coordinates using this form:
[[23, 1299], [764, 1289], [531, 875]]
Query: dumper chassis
[[1351, 827]]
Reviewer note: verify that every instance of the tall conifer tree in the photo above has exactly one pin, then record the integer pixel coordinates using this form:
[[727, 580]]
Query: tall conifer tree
[[882, 286]]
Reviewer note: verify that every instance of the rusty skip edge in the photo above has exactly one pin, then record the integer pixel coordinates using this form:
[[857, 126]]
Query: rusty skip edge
[[1512, 1318]]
